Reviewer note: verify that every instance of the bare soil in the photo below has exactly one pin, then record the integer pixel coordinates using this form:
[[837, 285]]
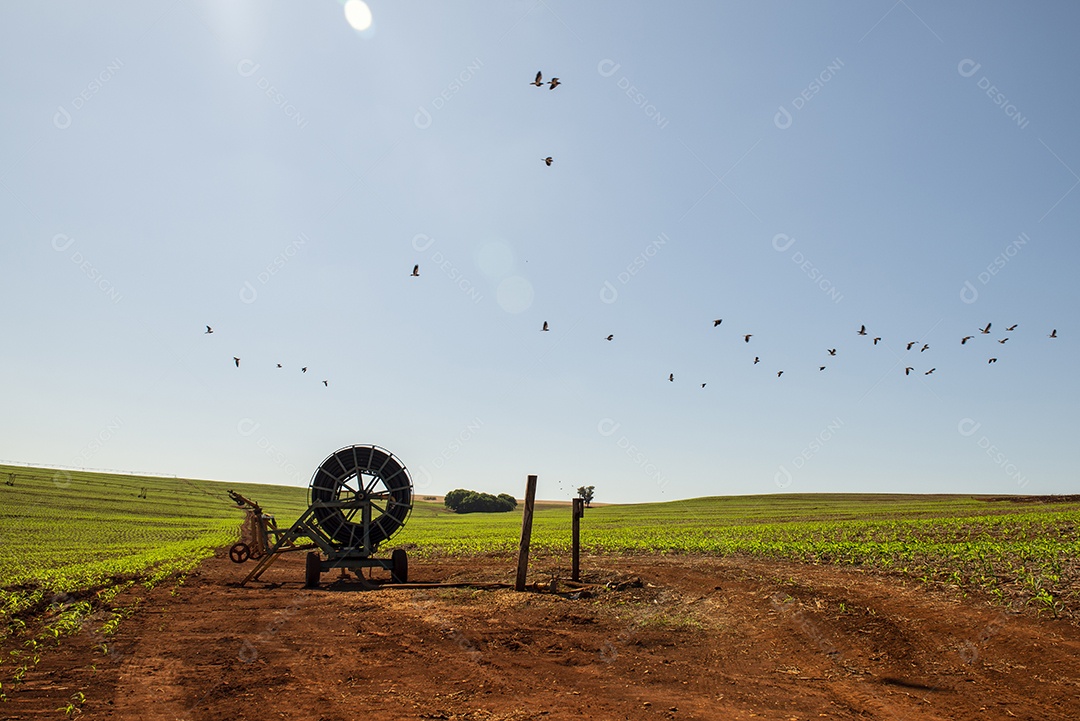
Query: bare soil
[[666, 638]]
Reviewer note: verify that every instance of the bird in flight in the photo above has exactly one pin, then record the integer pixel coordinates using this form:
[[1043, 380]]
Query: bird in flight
[[208, 330], [876, 341], [1003, 340], [965, 339], [547, 161], [671, 377], [717, 322], [821, 368], [907, 371], [832, 351], [756, 360], [415, 271], [554, 83], [1012, 327], [278, 365], [545, 326], [326, 383], [304, 369], [862, 330], [610, 337], [539, 82], [236, 361], [929, 371], [986, 330], [1053, 333], [911, 344], [925, 346], [747, 337], [702, 385], [992, 360], [779, 373]]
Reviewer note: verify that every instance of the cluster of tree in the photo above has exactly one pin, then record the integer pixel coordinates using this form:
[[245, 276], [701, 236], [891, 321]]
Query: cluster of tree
[[463, 501]]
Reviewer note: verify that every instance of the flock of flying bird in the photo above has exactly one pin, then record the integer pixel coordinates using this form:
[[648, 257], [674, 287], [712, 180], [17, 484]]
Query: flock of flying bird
[[876, 339], [236, 359], [554, 83]]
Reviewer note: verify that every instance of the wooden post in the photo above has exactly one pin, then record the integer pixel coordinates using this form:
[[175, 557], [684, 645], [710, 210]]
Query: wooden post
[[579, 511], [526, 533]]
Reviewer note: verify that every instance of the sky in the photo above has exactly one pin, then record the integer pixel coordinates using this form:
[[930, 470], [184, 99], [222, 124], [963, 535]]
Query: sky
[[795, 170]]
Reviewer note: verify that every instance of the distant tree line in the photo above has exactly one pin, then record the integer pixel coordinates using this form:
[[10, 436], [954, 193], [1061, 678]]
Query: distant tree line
[[463, 501]]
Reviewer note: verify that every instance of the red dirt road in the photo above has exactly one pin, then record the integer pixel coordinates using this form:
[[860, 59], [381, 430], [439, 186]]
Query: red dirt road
[[700, 638]]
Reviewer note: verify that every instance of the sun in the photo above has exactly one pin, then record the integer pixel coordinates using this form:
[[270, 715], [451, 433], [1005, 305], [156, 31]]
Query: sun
[[358, 15]]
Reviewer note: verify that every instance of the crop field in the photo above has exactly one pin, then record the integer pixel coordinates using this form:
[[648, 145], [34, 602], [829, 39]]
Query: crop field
[[80, 551], [1020, 552]]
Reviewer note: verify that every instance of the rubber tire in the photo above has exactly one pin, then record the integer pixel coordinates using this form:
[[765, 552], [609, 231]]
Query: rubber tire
[[239, 553], [312, 570], [400, 560]]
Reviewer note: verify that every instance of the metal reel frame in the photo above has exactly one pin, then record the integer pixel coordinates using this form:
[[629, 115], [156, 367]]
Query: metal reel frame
[[345, 485]]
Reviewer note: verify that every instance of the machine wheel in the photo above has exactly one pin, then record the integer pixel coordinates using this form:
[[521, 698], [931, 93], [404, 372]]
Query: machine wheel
[[312, 570], [239, 553], [400, 561]]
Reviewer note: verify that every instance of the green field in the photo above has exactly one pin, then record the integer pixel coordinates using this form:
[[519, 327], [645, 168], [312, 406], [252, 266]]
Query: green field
[[71, 543]]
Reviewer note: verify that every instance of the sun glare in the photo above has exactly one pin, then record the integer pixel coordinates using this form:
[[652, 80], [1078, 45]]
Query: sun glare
[[358, 14]]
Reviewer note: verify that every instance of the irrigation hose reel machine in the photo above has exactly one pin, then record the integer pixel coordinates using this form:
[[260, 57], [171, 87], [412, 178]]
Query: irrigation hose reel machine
[[358, 498]]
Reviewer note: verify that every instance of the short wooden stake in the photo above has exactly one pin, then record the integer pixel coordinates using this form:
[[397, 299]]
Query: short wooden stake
[[579, 511], [526, 533]]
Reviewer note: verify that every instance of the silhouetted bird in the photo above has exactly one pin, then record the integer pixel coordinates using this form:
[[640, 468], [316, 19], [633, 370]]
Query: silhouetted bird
[[965, 339], [756, 360], [1003, 340], [545, 326], [876, 341], [1053, 333], [278, 365], [779, 373], [208, 330], [930, 371], [304, 369], [702, 385], [747, 337], [992, 360], [862, 330], [415, 271], [539, 82], [610, 337], [1012, 327], [986, 330], [326, 383], [717, 322], [547, 161], [925, 347], [907, 371], [911, 344], [832, 351], [671, 377], [821, 368], [554, 83], [236, 361]]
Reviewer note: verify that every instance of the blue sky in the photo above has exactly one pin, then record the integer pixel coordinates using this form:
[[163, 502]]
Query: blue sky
[[795, 169]]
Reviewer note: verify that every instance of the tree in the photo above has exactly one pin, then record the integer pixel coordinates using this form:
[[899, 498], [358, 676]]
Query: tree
[[586, 492], [461, 500]]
